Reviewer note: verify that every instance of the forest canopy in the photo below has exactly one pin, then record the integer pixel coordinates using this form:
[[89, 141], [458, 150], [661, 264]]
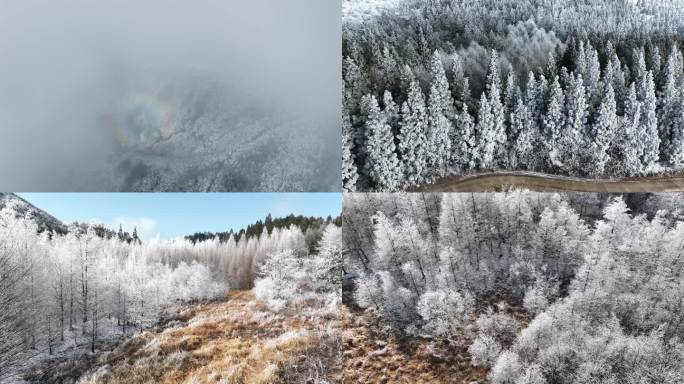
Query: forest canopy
[[540, 288], [444, 87]]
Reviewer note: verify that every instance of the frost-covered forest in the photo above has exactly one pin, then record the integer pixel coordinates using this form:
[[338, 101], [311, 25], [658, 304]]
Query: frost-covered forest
[[537, 288], [67, 291], [450, 87]]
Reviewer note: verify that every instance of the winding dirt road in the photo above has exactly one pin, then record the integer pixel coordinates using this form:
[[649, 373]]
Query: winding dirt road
[[498, 181]]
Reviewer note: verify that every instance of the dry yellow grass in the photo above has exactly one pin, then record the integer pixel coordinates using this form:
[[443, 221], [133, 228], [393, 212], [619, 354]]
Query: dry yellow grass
[[371, 355], [233, 342]]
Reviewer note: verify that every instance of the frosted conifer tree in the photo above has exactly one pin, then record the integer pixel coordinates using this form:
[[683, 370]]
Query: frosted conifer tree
[[349, 172], [554, 120], [648, 134], [591, 80], [440, 114], [391, 109], [459, 85], [497, 128], [575, 132], [534, 98], [522, 156], [605, 127], [510, 99], [486, 135], [676, 150], [639, 65], [668, 104], [463, 139], [382, 165], [629, 145], [413, 136]]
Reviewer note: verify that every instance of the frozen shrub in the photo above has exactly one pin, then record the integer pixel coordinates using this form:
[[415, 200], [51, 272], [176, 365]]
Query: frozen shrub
[[506, 370], [444, 312], [484, 350]]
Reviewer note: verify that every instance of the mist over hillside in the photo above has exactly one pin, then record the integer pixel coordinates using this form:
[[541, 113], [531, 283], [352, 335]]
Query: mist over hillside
[[199, 96]]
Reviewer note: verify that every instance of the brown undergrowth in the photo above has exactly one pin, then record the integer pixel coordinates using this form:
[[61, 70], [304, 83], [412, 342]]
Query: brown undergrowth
[[373, 354], [238, 341]]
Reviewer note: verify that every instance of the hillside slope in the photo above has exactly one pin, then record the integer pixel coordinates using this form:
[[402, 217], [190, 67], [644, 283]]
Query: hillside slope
[[44, 220], [233, 341]]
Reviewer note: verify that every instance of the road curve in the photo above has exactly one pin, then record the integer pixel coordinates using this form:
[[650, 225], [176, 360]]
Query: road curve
[[498, 181]]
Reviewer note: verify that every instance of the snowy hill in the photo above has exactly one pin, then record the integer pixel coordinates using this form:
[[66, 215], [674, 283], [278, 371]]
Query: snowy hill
[[44, 220], [204, 137]]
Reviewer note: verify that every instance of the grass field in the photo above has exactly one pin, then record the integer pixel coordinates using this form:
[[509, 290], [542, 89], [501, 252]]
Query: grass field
[[237, 340], [498, 181]]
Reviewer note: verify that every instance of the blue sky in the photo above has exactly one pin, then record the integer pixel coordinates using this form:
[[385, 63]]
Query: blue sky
[[178, 214]]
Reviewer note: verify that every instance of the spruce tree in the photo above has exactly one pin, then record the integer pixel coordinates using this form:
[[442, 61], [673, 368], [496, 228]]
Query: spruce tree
[[459, 82], [604, 129], [522, 155], [575, 138], [629, 142], [510, 99], [554, 121], [591, 81], [382, 166], [486, 141], [497, 129], [534, 98], [349, 171], [639, 66], [463, 136], [648, 134], [356, 85], [440, 114], [391, 110], [668, 104], [413, 136], [676, 151]]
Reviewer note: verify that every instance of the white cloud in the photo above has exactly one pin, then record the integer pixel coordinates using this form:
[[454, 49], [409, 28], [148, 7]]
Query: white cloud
[[146, 227]]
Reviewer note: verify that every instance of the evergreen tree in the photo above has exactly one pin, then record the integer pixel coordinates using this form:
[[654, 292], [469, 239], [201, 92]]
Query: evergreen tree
[[522, 156], [496, 131], [349, 172], [413, 136], [382, 165], [459, 82], [648, 134], [356, 85], [486, 135], [440, 115], [591, 81], [639, 66], [629, 143], [136, 239], [574, 138], [391, 110], [668, 103], [534, 100], [676, 150], [510, 100], [605, 127], [463, 137], [580, 59], [554, 121], [654, 62]]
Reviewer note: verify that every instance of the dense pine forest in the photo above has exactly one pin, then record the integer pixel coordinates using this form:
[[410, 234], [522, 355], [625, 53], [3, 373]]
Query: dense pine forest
[[450, 87], [533, 288]]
